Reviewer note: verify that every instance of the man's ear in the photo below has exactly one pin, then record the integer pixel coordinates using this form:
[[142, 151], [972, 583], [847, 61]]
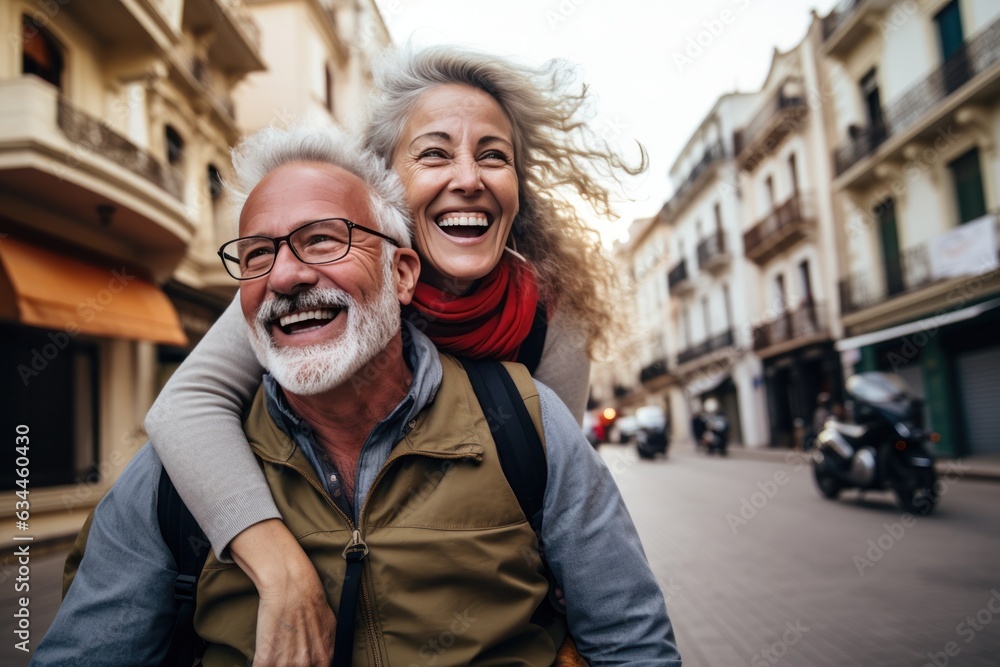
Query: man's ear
[[407, 266]]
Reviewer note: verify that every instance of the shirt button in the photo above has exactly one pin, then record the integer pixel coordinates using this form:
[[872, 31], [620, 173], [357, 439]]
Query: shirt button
[[412, 424], [333, 479]]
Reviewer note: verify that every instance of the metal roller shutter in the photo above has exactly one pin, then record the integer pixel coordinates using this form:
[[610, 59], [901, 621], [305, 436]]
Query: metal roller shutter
[[979, 379]]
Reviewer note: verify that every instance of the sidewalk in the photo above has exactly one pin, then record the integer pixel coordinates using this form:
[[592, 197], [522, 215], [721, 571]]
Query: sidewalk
[[984, 468]]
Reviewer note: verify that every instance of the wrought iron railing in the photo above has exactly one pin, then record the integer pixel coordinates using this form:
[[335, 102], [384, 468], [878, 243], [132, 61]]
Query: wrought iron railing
[[97, 137], [862, 289], [712, 154], [712, 248], [237, 13], [838, 15], [808, 319], [678, 275], [707, 346], [654, 370], [975, 57], [797, 210], [790, 96]]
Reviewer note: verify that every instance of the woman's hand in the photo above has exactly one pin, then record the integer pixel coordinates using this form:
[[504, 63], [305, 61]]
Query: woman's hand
[[295, 625]]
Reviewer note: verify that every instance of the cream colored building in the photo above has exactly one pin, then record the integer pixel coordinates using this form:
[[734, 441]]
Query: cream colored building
[[710, 326], [789, 239], [917, 181], [116, 120]]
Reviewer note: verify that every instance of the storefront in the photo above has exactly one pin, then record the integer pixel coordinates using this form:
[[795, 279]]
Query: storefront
[[794, 381]]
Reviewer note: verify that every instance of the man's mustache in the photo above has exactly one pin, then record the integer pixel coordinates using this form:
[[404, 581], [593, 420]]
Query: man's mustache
[[280, 305]]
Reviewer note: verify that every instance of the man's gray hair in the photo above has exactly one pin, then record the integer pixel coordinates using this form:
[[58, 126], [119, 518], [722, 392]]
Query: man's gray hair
[[262, 152]]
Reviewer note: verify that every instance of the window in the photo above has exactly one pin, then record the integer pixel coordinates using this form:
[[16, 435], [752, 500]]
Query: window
[[949, 26], [717, 209], [806, 281], [968, 182], [175, 145], [60, 381], [780, 295], [707, 315], [728, 306], [41, 54], [769, 193], [873, 106], [889, 236], [214, 182], [794, 173], [329, 88]]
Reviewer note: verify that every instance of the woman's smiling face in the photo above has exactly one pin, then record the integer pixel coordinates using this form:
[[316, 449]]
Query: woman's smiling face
[[456, 161]]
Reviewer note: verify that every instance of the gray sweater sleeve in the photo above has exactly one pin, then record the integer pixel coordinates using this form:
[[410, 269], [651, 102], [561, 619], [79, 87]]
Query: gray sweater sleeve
[[196, 426], [565, 366]]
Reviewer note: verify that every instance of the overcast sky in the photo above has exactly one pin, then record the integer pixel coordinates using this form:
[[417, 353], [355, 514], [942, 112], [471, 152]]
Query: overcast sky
[[657, 66]]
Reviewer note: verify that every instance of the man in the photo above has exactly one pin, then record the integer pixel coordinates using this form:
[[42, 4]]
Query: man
[[448, 573]]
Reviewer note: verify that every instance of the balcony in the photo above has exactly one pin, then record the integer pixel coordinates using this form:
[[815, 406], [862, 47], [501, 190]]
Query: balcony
[[654, 370], [915, 271], [967, 77], [723, 340], [678, 280], [712, 252], [695, 179], [785, 226], [235, 46], [801, 325], [55, 155], [850, 22], [785, 111]]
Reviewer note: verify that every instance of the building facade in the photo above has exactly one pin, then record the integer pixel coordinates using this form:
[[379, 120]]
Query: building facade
[[116, 121], [789, 239], [916, 179]]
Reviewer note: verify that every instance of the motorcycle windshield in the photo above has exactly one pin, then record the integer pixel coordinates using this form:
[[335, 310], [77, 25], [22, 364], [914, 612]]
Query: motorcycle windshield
[[886, 390]]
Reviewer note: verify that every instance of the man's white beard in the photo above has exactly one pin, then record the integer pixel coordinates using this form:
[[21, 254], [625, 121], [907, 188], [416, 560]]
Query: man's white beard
[[317, 368]]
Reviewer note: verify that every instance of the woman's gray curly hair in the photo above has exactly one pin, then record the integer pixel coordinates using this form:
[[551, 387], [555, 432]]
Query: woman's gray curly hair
[[262, 152], [555, 152]]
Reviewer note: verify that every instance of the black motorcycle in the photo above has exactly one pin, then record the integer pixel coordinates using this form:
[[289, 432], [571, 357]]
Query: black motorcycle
[[886, 447]]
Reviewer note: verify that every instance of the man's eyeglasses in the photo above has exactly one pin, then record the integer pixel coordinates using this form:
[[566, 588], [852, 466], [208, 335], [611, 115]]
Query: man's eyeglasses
[[319, 242]]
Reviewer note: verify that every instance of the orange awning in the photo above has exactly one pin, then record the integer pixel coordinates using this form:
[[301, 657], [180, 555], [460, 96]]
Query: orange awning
[[56, 291]]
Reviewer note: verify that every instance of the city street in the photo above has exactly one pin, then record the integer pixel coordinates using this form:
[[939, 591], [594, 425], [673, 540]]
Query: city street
[[794, 580], [806, 582]]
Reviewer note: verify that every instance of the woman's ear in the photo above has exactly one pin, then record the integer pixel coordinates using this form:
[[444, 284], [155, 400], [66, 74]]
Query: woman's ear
[[407, 269]]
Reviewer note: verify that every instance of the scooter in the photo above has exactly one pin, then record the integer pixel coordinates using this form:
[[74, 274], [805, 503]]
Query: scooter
[[886, 448], [714, 434]]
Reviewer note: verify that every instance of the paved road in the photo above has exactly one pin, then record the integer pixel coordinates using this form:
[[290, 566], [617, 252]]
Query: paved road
[[797, 585], [800, 581]]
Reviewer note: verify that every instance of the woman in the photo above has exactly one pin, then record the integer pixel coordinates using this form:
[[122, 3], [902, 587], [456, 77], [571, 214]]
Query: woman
[[485, 150]]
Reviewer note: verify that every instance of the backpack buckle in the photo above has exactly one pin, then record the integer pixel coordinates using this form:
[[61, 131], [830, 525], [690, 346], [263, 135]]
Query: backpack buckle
[[185, 586]]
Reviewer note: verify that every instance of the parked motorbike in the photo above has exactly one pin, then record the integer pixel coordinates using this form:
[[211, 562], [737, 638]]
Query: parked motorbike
[[885, 448]]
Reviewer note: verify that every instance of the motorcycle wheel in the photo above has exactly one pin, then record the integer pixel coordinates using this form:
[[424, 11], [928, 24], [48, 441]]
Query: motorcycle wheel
[[916, 492], [644, 453], [829, 486]]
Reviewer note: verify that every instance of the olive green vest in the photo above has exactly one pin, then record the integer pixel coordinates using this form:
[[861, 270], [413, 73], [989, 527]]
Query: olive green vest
[[452, 577]]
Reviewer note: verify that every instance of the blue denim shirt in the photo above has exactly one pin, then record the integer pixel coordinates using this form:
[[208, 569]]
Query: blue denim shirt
[[120, 608]]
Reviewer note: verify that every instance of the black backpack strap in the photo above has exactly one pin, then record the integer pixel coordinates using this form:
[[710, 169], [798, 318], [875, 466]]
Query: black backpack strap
[[519, 446], [189, 546], [529, 352]]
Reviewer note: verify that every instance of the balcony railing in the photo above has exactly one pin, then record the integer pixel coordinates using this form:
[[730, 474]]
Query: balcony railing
[[654, 370], [712, 155], [807, 320], [975, 57], [237, 13], [97, 137], [678, 276], [913, 271], [712, 251], [783, 227], [783, 112], [838, 15], [723, 340]]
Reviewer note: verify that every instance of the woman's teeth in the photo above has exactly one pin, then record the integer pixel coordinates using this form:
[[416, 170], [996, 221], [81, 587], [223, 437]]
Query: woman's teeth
[[464, 221]]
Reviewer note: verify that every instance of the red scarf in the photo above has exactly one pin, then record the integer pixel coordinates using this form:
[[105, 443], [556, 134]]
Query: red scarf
[[490, 323]]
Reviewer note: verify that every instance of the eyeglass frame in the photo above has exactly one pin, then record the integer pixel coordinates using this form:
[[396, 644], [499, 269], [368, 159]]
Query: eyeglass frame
[[351, 226]]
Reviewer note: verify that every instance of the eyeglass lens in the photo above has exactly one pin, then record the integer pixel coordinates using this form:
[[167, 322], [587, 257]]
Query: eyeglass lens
[[316, 243]]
